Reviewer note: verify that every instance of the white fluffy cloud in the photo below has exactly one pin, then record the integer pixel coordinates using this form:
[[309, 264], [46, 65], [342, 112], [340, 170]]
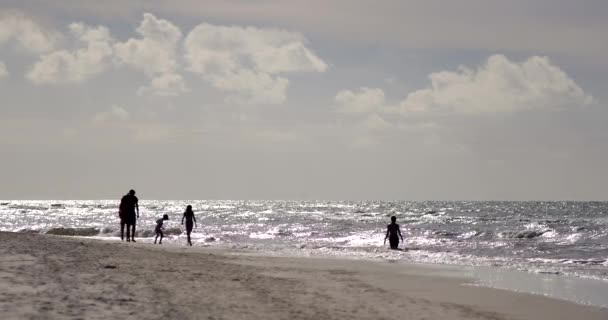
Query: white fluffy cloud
[[365, 100], [73, 66], [3, 71], [248, 61], [26, 33], [500, 85], [115, 113], [251, 87], [154, 54], [366, 107]]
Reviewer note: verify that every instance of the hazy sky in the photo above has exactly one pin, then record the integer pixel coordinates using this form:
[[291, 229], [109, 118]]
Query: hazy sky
[[315, 99]]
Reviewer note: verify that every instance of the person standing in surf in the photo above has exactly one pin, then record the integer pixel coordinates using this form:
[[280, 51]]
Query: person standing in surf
[[190, 222], [129, 213], [393, 233]]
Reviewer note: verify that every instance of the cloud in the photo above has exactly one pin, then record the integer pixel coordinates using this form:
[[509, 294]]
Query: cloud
[[366, 107], [365, 100], [154, 54], [3, 71], [27, 33], [500, 85], [75, 66], [252, 87], [247, 61], [115, 114]]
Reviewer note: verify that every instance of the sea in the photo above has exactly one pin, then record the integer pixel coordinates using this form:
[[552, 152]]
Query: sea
[[550, 238], [568, 238]]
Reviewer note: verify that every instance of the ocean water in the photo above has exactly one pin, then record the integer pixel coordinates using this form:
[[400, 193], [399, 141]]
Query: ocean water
[[552, 238]]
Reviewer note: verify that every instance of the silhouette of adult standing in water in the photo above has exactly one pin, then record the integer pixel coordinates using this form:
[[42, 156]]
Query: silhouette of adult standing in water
[[190, 222], [129, 213]]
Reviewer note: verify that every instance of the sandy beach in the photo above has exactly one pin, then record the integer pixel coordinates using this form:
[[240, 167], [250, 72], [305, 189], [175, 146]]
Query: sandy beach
[[51, 277]]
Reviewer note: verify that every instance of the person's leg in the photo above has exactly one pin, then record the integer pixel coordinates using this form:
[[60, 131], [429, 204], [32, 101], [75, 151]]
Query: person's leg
[[394, 243], [128, 232], [189, 228], [156, 238], [133, 232], [122, 229], [161, 237]]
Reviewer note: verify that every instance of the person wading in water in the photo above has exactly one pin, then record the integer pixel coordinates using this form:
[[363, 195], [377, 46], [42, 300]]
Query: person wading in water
[[129, 213], [393, 233]]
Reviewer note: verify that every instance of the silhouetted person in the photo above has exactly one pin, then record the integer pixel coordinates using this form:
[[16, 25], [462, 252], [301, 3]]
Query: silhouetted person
[[190, 222], [129, 213], [159, 228], [393, 233]]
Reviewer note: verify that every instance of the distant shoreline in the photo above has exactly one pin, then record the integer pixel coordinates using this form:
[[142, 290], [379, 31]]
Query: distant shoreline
[[309, 200]]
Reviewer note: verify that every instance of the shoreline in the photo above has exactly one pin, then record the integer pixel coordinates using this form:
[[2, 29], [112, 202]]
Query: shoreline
[[571, 288], [564, 239], [69, 278]]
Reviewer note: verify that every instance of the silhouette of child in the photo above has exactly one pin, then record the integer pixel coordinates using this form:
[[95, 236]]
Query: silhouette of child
[[393, 233], [159, 228], [190, 222]]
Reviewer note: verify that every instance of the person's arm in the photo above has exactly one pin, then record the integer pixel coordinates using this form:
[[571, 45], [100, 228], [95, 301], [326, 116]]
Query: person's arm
[[386, 237], [399, 229], [137, 207], [194, 219], [184, 217]]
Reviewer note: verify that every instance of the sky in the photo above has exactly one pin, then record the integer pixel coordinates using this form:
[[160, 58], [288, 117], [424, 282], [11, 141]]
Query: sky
[[304, 100]]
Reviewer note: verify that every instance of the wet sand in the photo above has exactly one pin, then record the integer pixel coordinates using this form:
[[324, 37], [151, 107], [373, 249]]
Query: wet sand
[[51, 277]]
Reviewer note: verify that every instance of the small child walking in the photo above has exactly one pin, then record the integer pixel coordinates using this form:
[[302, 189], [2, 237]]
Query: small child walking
[[159, 228]]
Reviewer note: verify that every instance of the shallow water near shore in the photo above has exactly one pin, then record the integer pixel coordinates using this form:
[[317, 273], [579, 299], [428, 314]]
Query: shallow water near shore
[[583, 291], [580, 290]]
